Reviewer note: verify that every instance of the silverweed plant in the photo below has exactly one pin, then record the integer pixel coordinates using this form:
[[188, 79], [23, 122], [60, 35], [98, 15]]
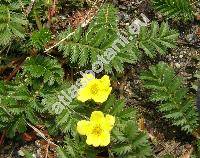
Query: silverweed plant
[[168, 90]]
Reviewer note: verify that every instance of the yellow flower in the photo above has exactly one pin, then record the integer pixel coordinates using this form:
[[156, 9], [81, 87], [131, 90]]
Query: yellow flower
[[96, 89], [97, 129]]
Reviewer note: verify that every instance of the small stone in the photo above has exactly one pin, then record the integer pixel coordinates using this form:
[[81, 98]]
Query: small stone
[[21, 153], [160, 17], [184, 52], [198, 17], [122, 7], [190, 37], [181, 56], [126, 17], [177, 65]]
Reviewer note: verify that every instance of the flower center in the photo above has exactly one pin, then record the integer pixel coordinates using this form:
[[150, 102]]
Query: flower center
[[94, 89], [97, 130]]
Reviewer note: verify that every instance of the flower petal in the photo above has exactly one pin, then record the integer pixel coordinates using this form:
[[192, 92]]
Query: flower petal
[[86, 79], [83, 94], [109, 122], [104, 139], [101, 96], [97, 116], [93, 140], [105, 80], [83, 127], [110, 119], [104, 90]]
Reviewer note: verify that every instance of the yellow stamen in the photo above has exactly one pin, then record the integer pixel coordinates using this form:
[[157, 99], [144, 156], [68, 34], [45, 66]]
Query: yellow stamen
[[97, 130], [94, 89]]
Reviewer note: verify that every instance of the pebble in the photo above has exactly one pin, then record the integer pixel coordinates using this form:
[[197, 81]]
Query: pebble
[[122, 7], [181, 56], [21, 153], [177, 65], [190, 37]]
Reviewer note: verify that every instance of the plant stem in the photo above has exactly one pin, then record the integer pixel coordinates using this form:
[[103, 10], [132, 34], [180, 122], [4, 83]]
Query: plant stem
[[37, 19], [73, 111]]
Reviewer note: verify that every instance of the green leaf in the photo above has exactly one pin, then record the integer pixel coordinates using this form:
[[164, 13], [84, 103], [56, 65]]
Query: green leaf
[[168, 90], [40, 38], [43, 67], [177, 9], [13, 22], [157, 39]]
